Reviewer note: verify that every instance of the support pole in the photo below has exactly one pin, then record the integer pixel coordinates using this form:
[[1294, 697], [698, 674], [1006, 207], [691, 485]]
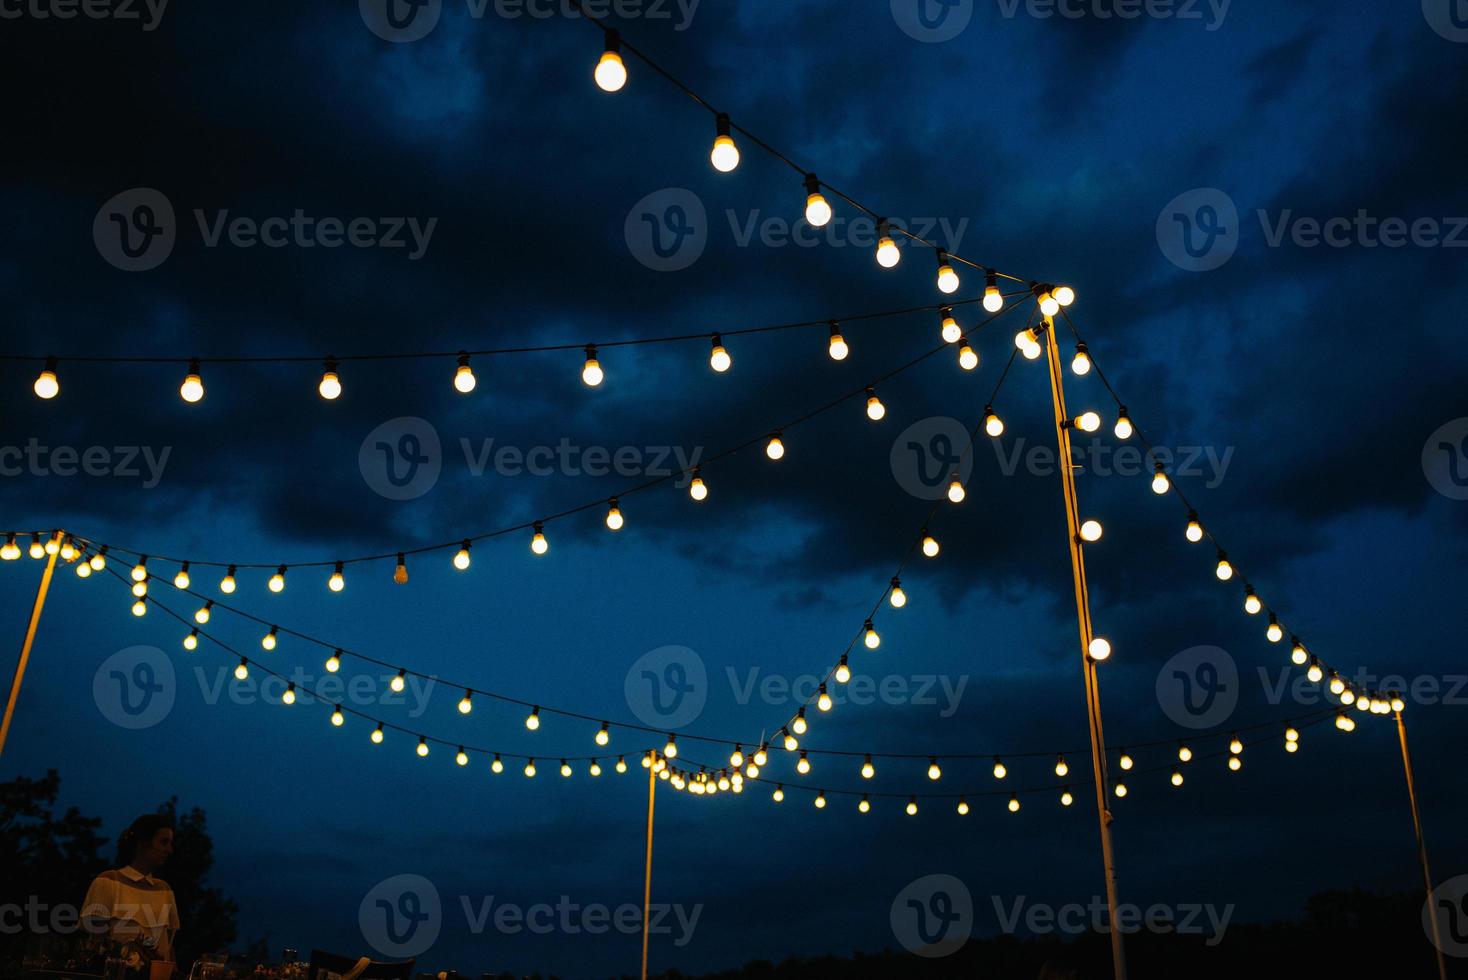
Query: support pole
[[1088, 666], [25, 648], [1437, 944], [652, 786]]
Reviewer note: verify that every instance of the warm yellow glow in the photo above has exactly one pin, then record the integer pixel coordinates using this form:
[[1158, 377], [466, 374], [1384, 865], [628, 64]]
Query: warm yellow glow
[[798, 726], [956, 492], [934, 772], [817, 210], [1126, 762], [779, 795], [10, 551], [611, 73], [268, 640], [140, 589], [1066, 799], [912, 808], [1014, 804], [202, 614], [1160, 482], [400, 571], [277, 581], [1064, 295], [725, 155], [930, 545], [1123, 427], [338, 719], [399, 681], [1299, 655], [1177, 777], [566, 769], [952, 332], [461, 557], [888, 254], [1235, 763], [140, 608], [1099, 649], [993, 299], [968, 358], [963, 808], [466, 703], [37, 550], [843, 672], [1120, 789], [1184, 754], [464, 380], [333, 664], [532, 721], [876, 411], [1048, 304], [837, 347], [1274, 632], [192, 389], [670, 751], [867, 769], [803, 765], [1292, 734], [1292, 747], [1315, 673], [595, 769], [947, 279], [823, 701], [591, 372], [719, 358], [1088, 422], [530, 769], [1091, 531], [993, 425], [538, 544], [1080, 365], [602, 735], [1337, 686], [1061, 767], [227, 584], [870, 636], [775, 448], [761, 757], [1235, 746], [330, 386], [1398, 704], [898, 597], [46, 385], [242, 671], [1000, 771], [83, 570], [1225, 570], [697, 489], [191, 642], [864, 806], [462, 757]]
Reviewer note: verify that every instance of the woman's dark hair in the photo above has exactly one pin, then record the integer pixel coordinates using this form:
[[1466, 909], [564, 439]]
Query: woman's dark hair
[[143, 830]]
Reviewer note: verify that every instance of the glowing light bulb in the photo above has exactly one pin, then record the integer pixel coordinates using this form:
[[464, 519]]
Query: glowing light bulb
[[671, 749], [823, 700], [1235, 763], [1315, 673], [1160, 482], [697, 489], [897, 597], [817, 211], [912, 808], [1120, 789], [993, 424], [462, 757], [888, 254], [538, 544], [930, 545], [139, 572], [1124, 428], [1091, 531], [963, 808], [591, 372], [611, 73], [843, 672], [466, 703], [334, 663], [1274, 632], [837, 346], [615, 521], [227, 584], [1177, 777], [761, 757], [1064, 295], [97, 561], [595, 769], [802, 766], [464, 380], [775, 449], [950, 329], [565, 769], [1292, 747], [956, 493], [1099, 648], [968, 358], [46, 386], [400, 570], [1014, 804], [1337, 686], [192, 389], [1397, 703], [530, 769], [1126, 760], [791, 743], [268, 641], [1066, 799], [1235, 746], [191, 642], [1292, 734], [1080, 365], [867, 769], [947, 278], [140, 608], [1088, 422], [201, 615], [1184, 754], [719, 358], [289, 697], [778, 795], [1061, 767], [993, 299], [1299, 656], [532, 720], [37, 549], [864, 806], [999, 769], [799, 726], [338, 581], [935, 773], [330, 387], [1194, 531], [736, 758], [83, 570], [725, 155], [11, 551], [461, 557], [422, 747], [876, 411], [1049, 306], [277, 581], [1225, 571], [399, 681], [870, 636], [242, 671]]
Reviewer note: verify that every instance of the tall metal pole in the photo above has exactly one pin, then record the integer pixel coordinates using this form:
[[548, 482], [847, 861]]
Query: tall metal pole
[[1088, 666], [1437, 944], [25, 647], [652, 786]]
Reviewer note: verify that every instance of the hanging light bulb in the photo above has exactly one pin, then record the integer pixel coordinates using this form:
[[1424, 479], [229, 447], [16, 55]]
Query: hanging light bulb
[[1061, 768], [1087, 422], [566, 769], [529, 768], [621, 764], [140, 608], [968, 358], [947, 278], [697, 489], [956, 493], [817, 211], [725, 155], [799, 726], [930, 544], [191, 642], [243, 670], [761, 757], [671, 749], [1348, 697], [1080, 365], [1027, 342], [532, 720], [422, 749], [1014, 803], [802, 765], [1120, 790], [1316, 673], [736, 758], [1194, 531], [334, 662], [1126, 761], [464, 380], [876, 411], [1292, 734], [1299, 656], [98, 561], [140, 589], [1397, 704], [1235, 763], [1235, 745], [53, 544], [1124, 428], [331, 385], [46, 386], [912, 807], [37, 549], [1252, 604], [1064, 295], [843, 671], [201, 615], [896, 596], [591, 372], [865, 805], [139, 572], [461, 557], [993, 299], [192, 389], [951, 331], [993, 424], [611, 73], [538, 544], [615, 521], [289, 695], [1225, 571], [789, 741], [1184, 754], [778, 795], [1091, 531], [399, 681], [719, 358], [934, 772], [1337, 686], [870, 636], [83, 570], [277, 581], [461, 757], [823, 699], [68, 553], [775, 448], [888, 254], [1049, 306], [1099, 648], [837, 346], [11, 551], [338, 581], [227, 584], [867, 769], [1066, 799], [400, 570], [1160, 482], [268, 641], [1274, 632], [466, 703], [595, 769]]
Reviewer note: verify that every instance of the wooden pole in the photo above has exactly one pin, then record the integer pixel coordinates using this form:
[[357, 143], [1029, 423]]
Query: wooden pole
[[1088, 666], [652, 786], [1437, 943], [25, 647]]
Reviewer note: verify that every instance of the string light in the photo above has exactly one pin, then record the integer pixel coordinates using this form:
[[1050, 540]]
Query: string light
[[1064, 295], [1049, 305], [98, 561], [1126, 762], [775, 448], [530, 769], [823, 699], [538, 544], [1061, 767], [595, 769], [202, 614], [399, 682], [462, 757], [968, 358], [798, 726], [1014, 803], [888, 254], [779, 795], [532, 721], [191, 642], [268, 641], [912, 807], [1087, 422], [180, 580], [876, 411], [277, 581], [140, 589], [1315, 673], [140, 608], [1184, 754], [591, 372], [930, 544], [53, 544], [947, 278], [1160, 482], [400, 570], [227, 584], [1121, 790], [1080, 365], [1194, 531], [817, 211], [802, 765], [466, 703], [46, 386], [377, 734], [334, 662], [1252, 605], [870, 636], [1235, 763], [1274, 632], [566, 769], [1066, 799], [1091, 531], [935, 773], [464, 380], [725, 155], [243, 670], [10, 551], [422, 749], [962, 807], [867, 769], [139, 572], [671, 749], [1299, 656], [37, 550], [1028, 343], [1235, 746], [1099, 649], [843, 671], [865, 805], [1124, 427], [697, 489], [993, 298], [999, 769], [837, 346], [192, 389], [337, 581], [897, 596], [993, 424], [1177, 777], [956, 493], [330, 387], [611, 73], [461, 557], [951, 331], [719, 358], [83, 570], [1225, 571]]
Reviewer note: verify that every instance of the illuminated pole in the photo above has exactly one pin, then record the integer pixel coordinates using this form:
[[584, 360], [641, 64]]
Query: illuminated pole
[[1088, 666], [1437, 944], [25, 647], [652, 786]]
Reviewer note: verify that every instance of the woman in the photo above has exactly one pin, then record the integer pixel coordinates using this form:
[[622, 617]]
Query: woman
[[129, 903]]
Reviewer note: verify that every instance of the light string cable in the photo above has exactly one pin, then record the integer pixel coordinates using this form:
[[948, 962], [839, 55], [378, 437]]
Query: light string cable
[[614, 81], [537, 525], [651, 756], [1196, 530]]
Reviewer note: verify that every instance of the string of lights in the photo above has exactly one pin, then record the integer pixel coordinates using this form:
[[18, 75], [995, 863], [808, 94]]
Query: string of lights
[[1226, 569], [47, 384], [772, 438]]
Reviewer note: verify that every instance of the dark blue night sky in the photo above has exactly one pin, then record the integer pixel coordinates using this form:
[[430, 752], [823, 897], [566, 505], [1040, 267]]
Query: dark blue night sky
[[1313, 377]]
